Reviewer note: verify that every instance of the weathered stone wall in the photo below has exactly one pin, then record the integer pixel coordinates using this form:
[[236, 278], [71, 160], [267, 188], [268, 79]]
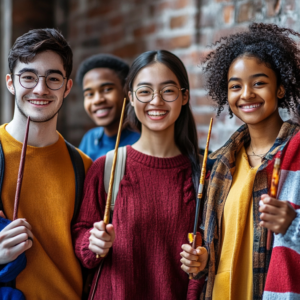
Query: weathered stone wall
[[186, 27]]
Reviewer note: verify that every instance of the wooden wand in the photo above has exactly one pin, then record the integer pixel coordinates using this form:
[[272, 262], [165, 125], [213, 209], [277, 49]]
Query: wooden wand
[[195, 238], [112, 174], [273, 192], [21, 171]]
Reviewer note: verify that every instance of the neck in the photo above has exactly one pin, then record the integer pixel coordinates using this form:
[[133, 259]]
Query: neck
[[112, 129], [40, 134], [157, 143], [264, 134]]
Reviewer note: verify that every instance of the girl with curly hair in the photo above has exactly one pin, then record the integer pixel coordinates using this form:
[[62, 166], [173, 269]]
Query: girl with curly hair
[[254, 73]]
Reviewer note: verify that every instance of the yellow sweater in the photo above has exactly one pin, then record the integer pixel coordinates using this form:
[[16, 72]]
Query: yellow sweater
[[234, 279], [47, 202]]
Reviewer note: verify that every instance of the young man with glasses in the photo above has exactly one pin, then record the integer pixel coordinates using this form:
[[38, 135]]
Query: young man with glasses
[[40, 63], [102, 78]]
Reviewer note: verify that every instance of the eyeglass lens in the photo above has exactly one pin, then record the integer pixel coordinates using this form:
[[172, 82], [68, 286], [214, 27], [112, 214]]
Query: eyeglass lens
[[168, 93], [54, 81]]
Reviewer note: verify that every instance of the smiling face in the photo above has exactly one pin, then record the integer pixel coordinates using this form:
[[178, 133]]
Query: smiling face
[[252, 90], [40, 103], [103, 96], [157, 115]]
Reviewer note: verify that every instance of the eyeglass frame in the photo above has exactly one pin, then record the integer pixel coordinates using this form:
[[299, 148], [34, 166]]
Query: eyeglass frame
[[179, 89], [38, 76]]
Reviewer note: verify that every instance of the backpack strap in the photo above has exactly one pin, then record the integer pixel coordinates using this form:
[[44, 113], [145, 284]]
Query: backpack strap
[[119, 172], [79, 171], [2, 165]]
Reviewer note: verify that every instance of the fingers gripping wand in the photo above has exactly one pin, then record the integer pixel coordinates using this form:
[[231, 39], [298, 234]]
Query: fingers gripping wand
[[112, 174], [195, 237], [21, 171], [273, 192]]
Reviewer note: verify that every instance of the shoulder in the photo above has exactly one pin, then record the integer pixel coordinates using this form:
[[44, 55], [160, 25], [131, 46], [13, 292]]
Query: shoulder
[[96, 169], [91, 135], [86, 160]]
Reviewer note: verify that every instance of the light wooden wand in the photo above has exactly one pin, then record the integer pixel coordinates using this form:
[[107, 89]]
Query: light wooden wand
[[112, 174], [195, 238], [273, 192]]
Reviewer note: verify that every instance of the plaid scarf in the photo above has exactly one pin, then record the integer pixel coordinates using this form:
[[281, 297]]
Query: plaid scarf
[[223, 166]]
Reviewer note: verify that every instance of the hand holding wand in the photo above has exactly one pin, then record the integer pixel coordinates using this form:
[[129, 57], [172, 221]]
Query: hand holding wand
[[112, 174], [273, 192], [195, 238], [21, 171]]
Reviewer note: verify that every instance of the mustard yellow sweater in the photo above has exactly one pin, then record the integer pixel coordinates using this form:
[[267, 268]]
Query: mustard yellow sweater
[[47, 202], [234, 279]]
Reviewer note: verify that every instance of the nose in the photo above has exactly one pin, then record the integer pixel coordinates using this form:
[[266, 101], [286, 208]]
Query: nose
[[247, 93], [41, 88], [157, 99], [98, 98]]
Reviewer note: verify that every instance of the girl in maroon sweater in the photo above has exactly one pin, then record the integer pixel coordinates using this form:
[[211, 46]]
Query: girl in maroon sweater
[[155, 204]]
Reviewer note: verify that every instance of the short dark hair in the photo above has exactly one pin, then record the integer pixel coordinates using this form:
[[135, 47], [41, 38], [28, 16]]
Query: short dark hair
[[272, 46], [185, 128], [35, 41], [119, 66]]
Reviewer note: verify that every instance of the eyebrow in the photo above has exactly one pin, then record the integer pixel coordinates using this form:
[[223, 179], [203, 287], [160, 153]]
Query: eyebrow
[[162, 83], [252, 76], [51, 71], [101, 85]]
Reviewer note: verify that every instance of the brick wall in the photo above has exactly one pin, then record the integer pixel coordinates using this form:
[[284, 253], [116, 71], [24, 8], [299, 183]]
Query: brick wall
[[127, 28]]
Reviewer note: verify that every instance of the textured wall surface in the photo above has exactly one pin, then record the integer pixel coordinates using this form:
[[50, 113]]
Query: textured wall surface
[[186, 27]]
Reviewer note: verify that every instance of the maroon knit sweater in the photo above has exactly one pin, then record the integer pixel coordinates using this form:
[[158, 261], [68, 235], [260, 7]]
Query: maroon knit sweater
[[154, 211]]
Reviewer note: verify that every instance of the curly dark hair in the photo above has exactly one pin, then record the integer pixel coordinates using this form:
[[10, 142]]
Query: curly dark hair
[[271, 45]]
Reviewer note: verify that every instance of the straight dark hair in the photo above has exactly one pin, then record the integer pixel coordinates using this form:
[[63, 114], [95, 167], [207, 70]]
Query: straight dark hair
[[185, 128], [35, 41]]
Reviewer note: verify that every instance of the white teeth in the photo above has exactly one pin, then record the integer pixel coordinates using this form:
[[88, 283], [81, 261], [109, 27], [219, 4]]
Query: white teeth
[[39, 102], [251, 106], [102, 111], [156, 113]]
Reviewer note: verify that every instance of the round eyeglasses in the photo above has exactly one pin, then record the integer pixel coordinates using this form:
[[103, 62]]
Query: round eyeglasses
[[29, 80], [169, 93]]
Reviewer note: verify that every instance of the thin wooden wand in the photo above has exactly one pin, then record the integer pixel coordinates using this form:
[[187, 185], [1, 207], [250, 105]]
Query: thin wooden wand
[[273, 192], [195, 237], [21, 171], [112, 174]]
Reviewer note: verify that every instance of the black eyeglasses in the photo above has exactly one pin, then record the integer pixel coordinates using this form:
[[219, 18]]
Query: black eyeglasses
[[29, 80], [169, 93]]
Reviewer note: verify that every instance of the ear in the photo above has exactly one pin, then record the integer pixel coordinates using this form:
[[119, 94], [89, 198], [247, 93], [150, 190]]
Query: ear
[[130, 96], [185, 97], [68, 88], [10, 84], [280, 92]]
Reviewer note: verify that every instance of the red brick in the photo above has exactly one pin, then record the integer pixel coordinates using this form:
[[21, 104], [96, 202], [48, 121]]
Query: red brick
[[245, 12], [207, 19], [142, 31], [273, 7], [115, 21], [179, 21], [228, 31], [204, 119], [180, 3], [129, 50], [228, 14], [101, 11], [111, 38], [184, 41]]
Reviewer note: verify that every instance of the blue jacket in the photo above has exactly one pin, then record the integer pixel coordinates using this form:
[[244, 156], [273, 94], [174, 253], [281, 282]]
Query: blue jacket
[[96, 143], [9, 272]]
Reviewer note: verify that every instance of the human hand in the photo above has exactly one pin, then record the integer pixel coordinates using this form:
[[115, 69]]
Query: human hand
[[193, 260], [15, 238], [276, 215], [101, 238]]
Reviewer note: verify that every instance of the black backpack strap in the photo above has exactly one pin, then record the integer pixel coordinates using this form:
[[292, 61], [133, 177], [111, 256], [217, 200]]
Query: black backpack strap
[[2, 166], [79, 171]]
